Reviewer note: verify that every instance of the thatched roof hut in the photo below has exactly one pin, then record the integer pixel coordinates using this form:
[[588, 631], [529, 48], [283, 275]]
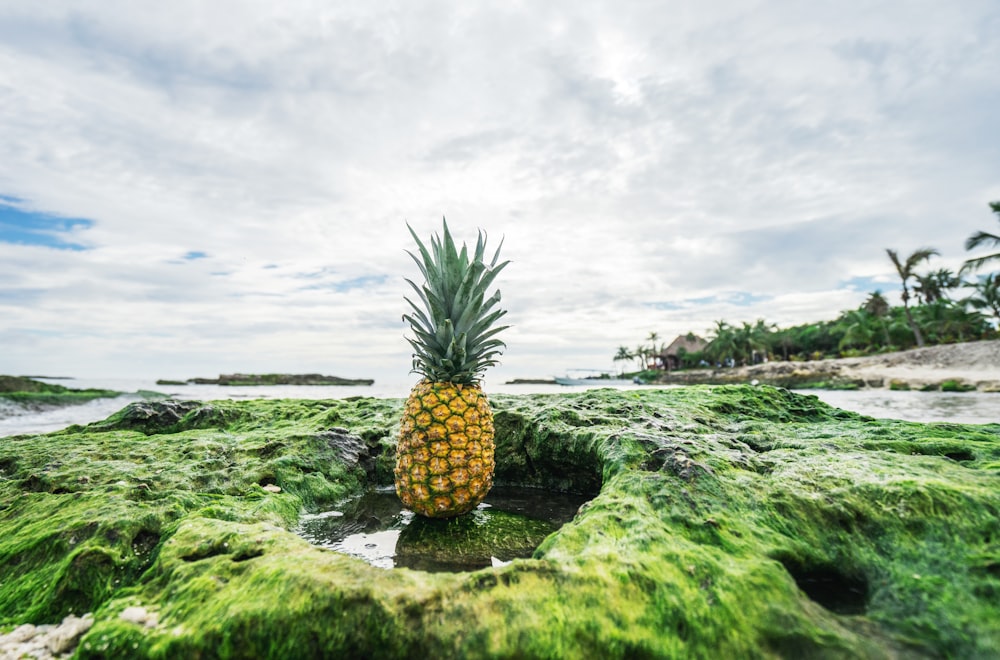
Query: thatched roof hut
[[670, 357]]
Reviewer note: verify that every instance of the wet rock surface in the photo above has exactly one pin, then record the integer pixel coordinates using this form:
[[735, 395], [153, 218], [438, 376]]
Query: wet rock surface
[[45, 641], [150, 416], [725, 521], [351, 450], [374, 526]]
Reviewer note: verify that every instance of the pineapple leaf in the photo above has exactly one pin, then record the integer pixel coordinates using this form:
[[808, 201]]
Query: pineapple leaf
[[452, 318], [427, 260], [496, 255]]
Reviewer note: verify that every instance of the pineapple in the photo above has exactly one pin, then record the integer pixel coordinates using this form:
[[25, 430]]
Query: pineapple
[[444, 458]]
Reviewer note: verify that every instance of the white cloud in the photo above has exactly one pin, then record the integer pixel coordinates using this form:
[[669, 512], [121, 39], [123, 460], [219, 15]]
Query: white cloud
[[644, 162]]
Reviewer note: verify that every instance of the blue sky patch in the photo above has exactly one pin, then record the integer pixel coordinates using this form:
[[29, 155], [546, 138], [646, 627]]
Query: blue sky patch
[[343, 286], [869, 284], [192, 255], [738, 298], [670, 306], [744, 299], [22, 227], [20, 296], [362, 282]]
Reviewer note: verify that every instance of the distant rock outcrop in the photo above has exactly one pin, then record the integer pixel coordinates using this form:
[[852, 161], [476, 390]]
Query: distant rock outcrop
[[28, 394], [270, 379]]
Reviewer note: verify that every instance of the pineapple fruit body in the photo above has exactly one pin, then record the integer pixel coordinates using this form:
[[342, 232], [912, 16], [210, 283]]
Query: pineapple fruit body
[[444, 458]]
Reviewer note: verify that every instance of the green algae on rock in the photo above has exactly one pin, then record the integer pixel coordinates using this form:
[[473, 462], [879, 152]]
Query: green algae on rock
[[727, 521], [37, 394]]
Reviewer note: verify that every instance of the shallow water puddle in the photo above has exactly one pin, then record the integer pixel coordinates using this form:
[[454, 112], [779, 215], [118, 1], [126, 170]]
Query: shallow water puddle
[[374, 526]]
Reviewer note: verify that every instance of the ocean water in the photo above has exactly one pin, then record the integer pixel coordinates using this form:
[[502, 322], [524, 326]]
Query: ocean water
[[15, 420], [963, 408], [954, 407]]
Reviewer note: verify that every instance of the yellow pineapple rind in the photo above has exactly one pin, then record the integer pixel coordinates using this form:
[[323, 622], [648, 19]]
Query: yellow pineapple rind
[[445, 455]]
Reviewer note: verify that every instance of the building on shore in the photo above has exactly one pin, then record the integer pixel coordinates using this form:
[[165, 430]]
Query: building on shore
[[671, 357]]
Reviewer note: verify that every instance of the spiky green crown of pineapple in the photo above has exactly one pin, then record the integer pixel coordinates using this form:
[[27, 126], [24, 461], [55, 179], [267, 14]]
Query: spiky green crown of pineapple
[[454, 335]]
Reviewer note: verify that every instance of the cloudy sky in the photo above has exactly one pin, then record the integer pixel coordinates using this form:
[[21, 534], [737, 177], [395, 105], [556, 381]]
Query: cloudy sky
[[193, 188]]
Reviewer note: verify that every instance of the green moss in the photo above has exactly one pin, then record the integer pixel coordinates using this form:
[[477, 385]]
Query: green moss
[[848, 385], [68, 398], [14, 384], [957, 386], [35, 393], [726, 521], [72, 551]]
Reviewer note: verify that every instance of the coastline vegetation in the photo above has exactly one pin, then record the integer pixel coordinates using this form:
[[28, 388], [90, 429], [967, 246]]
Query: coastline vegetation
[[938, 307]]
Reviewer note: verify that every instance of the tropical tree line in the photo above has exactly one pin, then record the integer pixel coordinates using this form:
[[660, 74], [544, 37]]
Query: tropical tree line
[[643, 354], [938, 307]]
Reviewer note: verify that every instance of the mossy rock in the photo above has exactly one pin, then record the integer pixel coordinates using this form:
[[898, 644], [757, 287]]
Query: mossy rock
[[957, 386], [832, 384], [728, 521], [36, 394]]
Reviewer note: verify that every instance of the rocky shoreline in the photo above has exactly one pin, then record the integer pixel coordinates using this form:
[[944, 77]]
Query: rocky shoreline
[[21, 394], [956, 367], [722, 521], [46, 641]]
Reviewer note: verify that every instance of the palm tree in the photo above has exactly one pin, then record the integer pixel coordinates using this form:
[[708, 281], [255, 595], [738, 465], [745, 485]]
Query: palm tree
[[878, 307], [751, 341], [948, 322], [723, 343], [899, 330], [982, 238], [623, 354], [859, 331], [935, 285], [744, 347], [987, 294], [906, 272], [762, 337], [876, 304], [641, 355], [654, 350]]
